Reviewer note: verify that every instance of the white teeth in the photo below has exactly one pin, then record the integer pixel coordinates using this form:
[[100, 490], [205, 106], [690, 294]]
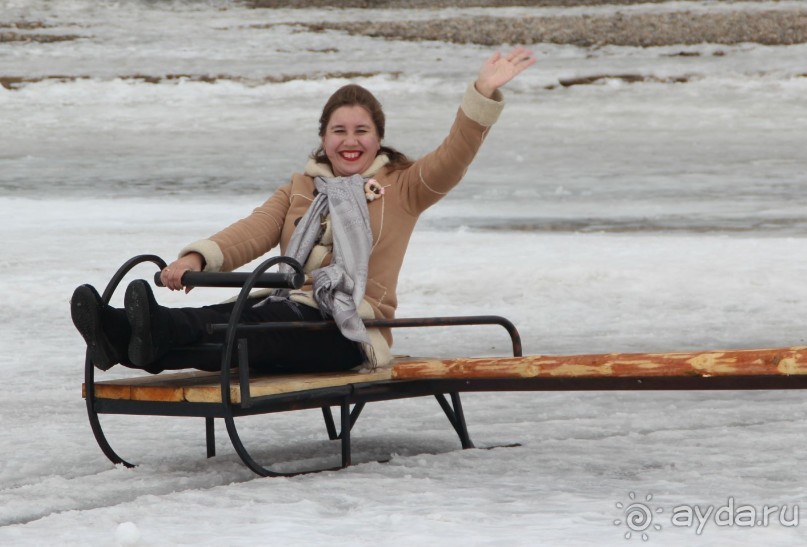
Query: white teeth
[[350, 155]]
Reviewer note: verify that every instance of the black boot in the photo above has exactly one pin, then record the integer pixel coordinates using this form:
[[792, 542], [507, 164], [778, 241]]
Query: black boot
[[152, 329], [104, 328]]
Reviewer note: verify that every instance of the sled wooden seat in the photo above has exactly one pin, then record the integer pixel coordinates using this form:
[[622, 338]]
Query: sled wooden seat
[[205, 387]]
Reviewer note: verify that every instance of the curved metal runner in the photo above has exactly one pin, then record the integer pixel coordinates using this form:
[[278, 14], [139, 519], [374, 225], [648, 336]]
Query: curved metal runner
[[226, 363], [89, 369]]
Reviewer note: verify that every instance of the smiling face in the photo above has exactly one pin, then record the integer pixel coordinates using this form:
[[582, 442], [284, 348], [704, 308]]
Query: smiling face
[[351, 140]]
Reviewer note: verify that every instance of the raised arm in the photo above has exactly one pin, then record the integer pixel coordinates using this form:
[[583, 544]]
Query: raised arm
[[435, 174]]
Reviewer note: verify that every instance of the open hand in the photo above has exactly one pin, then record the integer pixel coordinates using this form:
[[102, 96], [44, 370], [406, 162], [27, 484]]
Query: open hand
[[500, 69]]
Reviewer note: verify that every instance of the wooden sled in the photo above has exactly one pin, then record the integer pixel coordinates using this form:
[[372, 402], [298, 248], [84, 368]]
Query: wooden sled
[[235, 392]]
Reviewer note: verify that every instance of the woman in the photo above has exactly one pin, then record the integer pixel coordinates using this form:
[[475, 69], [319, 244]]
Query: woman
[[347, 218]]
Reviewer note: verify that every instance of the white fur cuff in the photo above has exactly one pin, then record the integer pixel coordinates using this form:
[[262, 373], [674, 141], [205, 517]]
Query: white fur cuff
[[479, 108], [210, 250]]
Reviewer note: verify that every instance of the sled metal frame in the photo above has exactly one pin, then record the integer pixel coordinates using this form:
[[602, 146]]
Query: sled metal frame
[[350, 398]]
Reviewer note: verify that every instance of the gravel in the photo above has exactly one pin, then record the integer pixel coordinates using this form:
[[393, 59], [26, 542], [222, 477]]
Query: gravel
[[643, 29]]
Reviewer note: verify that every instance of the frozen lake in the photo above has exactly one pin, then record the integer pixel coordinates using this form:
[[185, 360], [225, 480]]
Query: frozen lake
[[616, 216]]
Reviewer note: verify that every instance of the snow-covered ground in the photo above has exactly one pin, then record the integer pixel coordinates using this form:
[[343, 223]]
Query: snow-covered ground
[[610, 217]]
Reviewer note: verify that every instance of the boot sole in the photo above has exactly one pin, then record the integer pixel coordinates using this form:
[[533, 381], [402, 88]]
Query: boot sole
[[138, 311], [86, 317]]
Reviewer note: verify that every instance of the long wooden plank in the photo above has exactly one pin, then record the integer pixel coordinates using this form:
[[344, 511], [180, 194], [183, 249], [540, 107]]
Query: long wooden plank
[[754, 362], [204, 387]]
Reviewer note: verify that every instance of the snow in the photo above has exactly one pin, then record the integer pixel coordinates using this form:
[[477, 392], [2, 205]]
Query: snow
[[647, 217], [127, 533]]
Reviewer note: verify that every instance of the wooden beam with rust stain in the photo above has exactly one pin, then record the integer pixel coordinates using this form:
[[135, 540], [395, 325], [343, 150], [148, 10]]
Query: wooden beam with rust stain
[[751, 362]]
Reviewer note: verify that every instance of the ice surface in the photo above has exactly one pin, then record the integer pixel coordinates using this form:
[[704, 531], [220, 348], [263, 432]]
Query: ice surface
[[610, 217]]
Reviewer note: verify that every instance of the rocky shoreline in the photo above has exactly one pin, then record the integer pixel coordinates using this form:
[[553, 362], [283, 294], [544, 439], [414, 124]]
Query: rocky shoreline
[[641, 29], [638, 30]]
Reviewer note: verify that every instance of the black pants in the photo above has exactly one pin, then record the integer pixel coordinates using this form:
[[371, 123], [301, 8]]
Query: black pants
[[282, 351]]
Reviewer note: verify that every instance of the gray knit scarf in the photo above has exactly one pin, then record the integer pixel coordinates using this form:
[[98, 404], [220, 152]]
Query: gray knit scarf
[[339, 287]]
